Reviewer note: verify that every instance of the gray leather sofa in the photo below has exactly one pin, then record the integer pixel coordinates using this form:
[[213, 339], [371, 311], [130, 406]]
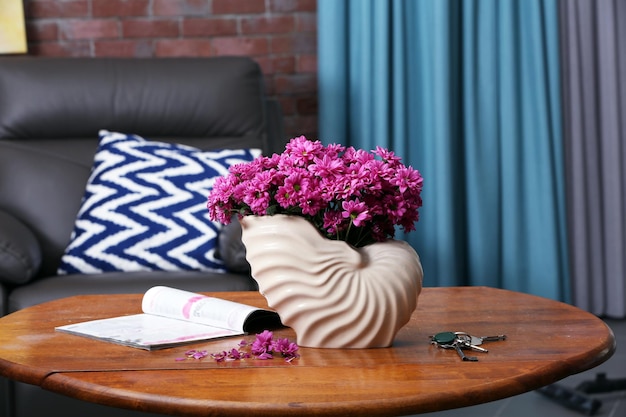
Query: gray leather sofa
[[51, 110]]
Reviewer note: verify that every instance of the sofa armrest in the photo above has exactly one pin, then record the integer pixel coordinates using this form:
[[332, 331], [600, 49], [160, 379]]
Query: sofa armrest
[[20, 253]]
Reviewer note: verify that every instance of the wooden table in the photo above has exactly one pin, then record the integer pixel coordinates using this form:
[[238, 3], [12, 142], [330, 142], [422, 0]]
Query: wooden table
[[547, 341]]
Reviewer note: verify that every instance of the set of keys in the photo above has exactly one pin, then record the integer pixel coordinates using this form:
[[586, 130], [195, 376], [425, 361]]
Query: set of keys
[[461, 341]]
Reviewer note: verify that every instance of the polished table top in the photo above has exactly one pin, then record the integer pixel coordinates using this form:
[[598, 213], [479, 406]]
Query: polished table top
[[546, 341]]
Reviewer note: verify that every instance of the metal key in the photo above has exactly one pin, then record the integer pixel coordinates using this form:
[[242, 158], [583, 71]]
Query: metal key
[[468, 341], [449, 340], [478, 340], [492, 338], [459, 350]]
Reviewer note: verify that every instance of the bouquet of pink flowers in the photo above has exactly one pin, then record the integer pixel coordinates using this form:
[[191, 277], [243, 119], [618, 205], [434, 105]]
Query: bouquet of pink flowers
[[347, 194]]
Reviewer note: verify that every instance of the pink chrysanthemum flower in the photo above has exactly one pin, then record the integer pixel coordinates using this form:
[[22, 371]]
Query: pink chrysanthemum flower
[[285, 348], [261, 346], [356, 211], [346, 193]]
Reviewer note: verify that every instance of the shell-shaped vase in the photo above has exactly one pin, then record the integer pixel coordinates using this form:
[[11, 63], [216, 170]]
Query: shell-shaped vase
[[332, 294]]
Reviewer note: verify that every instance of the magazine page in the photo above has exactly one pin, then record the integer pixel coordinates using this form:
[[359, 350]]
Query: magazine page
[[185, 305], [146, 331], [172, 317]]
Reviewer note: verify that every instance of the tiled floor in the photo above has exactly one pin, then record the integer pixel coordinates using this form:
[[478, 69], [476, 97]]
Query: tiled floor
[[537, 405]]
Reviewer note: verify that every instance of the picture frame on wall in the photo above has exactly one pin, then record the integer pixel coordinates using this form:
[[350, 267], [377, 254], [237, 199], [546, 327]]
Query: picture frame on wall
[[12, 27]]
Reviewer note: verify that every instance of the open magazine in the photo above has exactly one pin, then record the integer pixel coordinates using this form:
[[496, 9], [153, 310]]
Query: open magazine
[[172, 317]]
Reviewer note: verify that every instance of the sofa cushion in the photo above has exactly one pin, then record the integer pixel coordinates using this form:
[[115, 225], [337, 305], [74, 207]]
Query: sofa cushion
[[144, 208], [217, 98], [20, 254], [231, 249]]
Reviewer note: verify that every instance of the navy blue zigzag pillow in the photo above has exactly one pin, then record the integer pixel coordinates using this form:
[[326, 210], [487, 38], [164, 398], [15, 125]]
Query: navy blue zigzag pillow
[[145, 207]]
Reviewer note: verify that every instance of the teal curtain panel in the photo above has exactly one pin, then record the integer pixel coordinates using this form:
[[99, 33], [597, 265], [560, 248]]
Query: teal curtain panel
[[515, 114], [491, 101]]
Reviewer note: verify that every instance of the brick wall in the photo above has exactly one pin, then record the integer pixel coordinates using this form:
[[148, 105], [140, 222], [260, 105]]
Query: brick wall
[[279, 34]]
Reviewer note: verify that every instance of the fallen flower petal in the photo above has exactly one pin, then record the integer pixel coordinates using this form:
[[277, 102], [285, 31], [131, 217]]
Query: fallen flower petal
[[264, 347]]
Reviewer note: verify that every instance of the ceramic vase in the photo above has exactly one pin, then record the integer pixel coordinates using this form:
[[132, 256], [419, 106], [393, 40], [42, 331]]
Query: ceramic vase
[[332, 294]]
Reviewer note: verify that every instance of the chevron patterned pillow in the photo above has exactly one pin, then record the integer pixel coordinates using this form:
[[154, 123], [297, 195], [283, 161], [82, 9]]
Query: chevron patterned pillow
[[145, 207]]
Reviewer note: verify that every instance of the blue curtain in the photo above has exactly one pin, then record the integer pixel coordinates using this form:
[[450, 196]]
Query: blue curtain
[[468, 93]]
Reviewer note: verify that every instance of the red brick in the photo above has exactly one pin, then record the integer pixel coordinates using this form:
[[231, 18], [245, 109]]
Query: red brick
[[119, 8], [281, 44], [124, 48], [38, 31], [306, 22], [183, 47], [240, 46], [299, 43], [238, 6], [306, 63], [67, 49], [271, 24], [89, 29], [296, 83], [36, 9], [286, 6], [180, 7], [222, 26], [284, 64], [144, 28], [305, 43]]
